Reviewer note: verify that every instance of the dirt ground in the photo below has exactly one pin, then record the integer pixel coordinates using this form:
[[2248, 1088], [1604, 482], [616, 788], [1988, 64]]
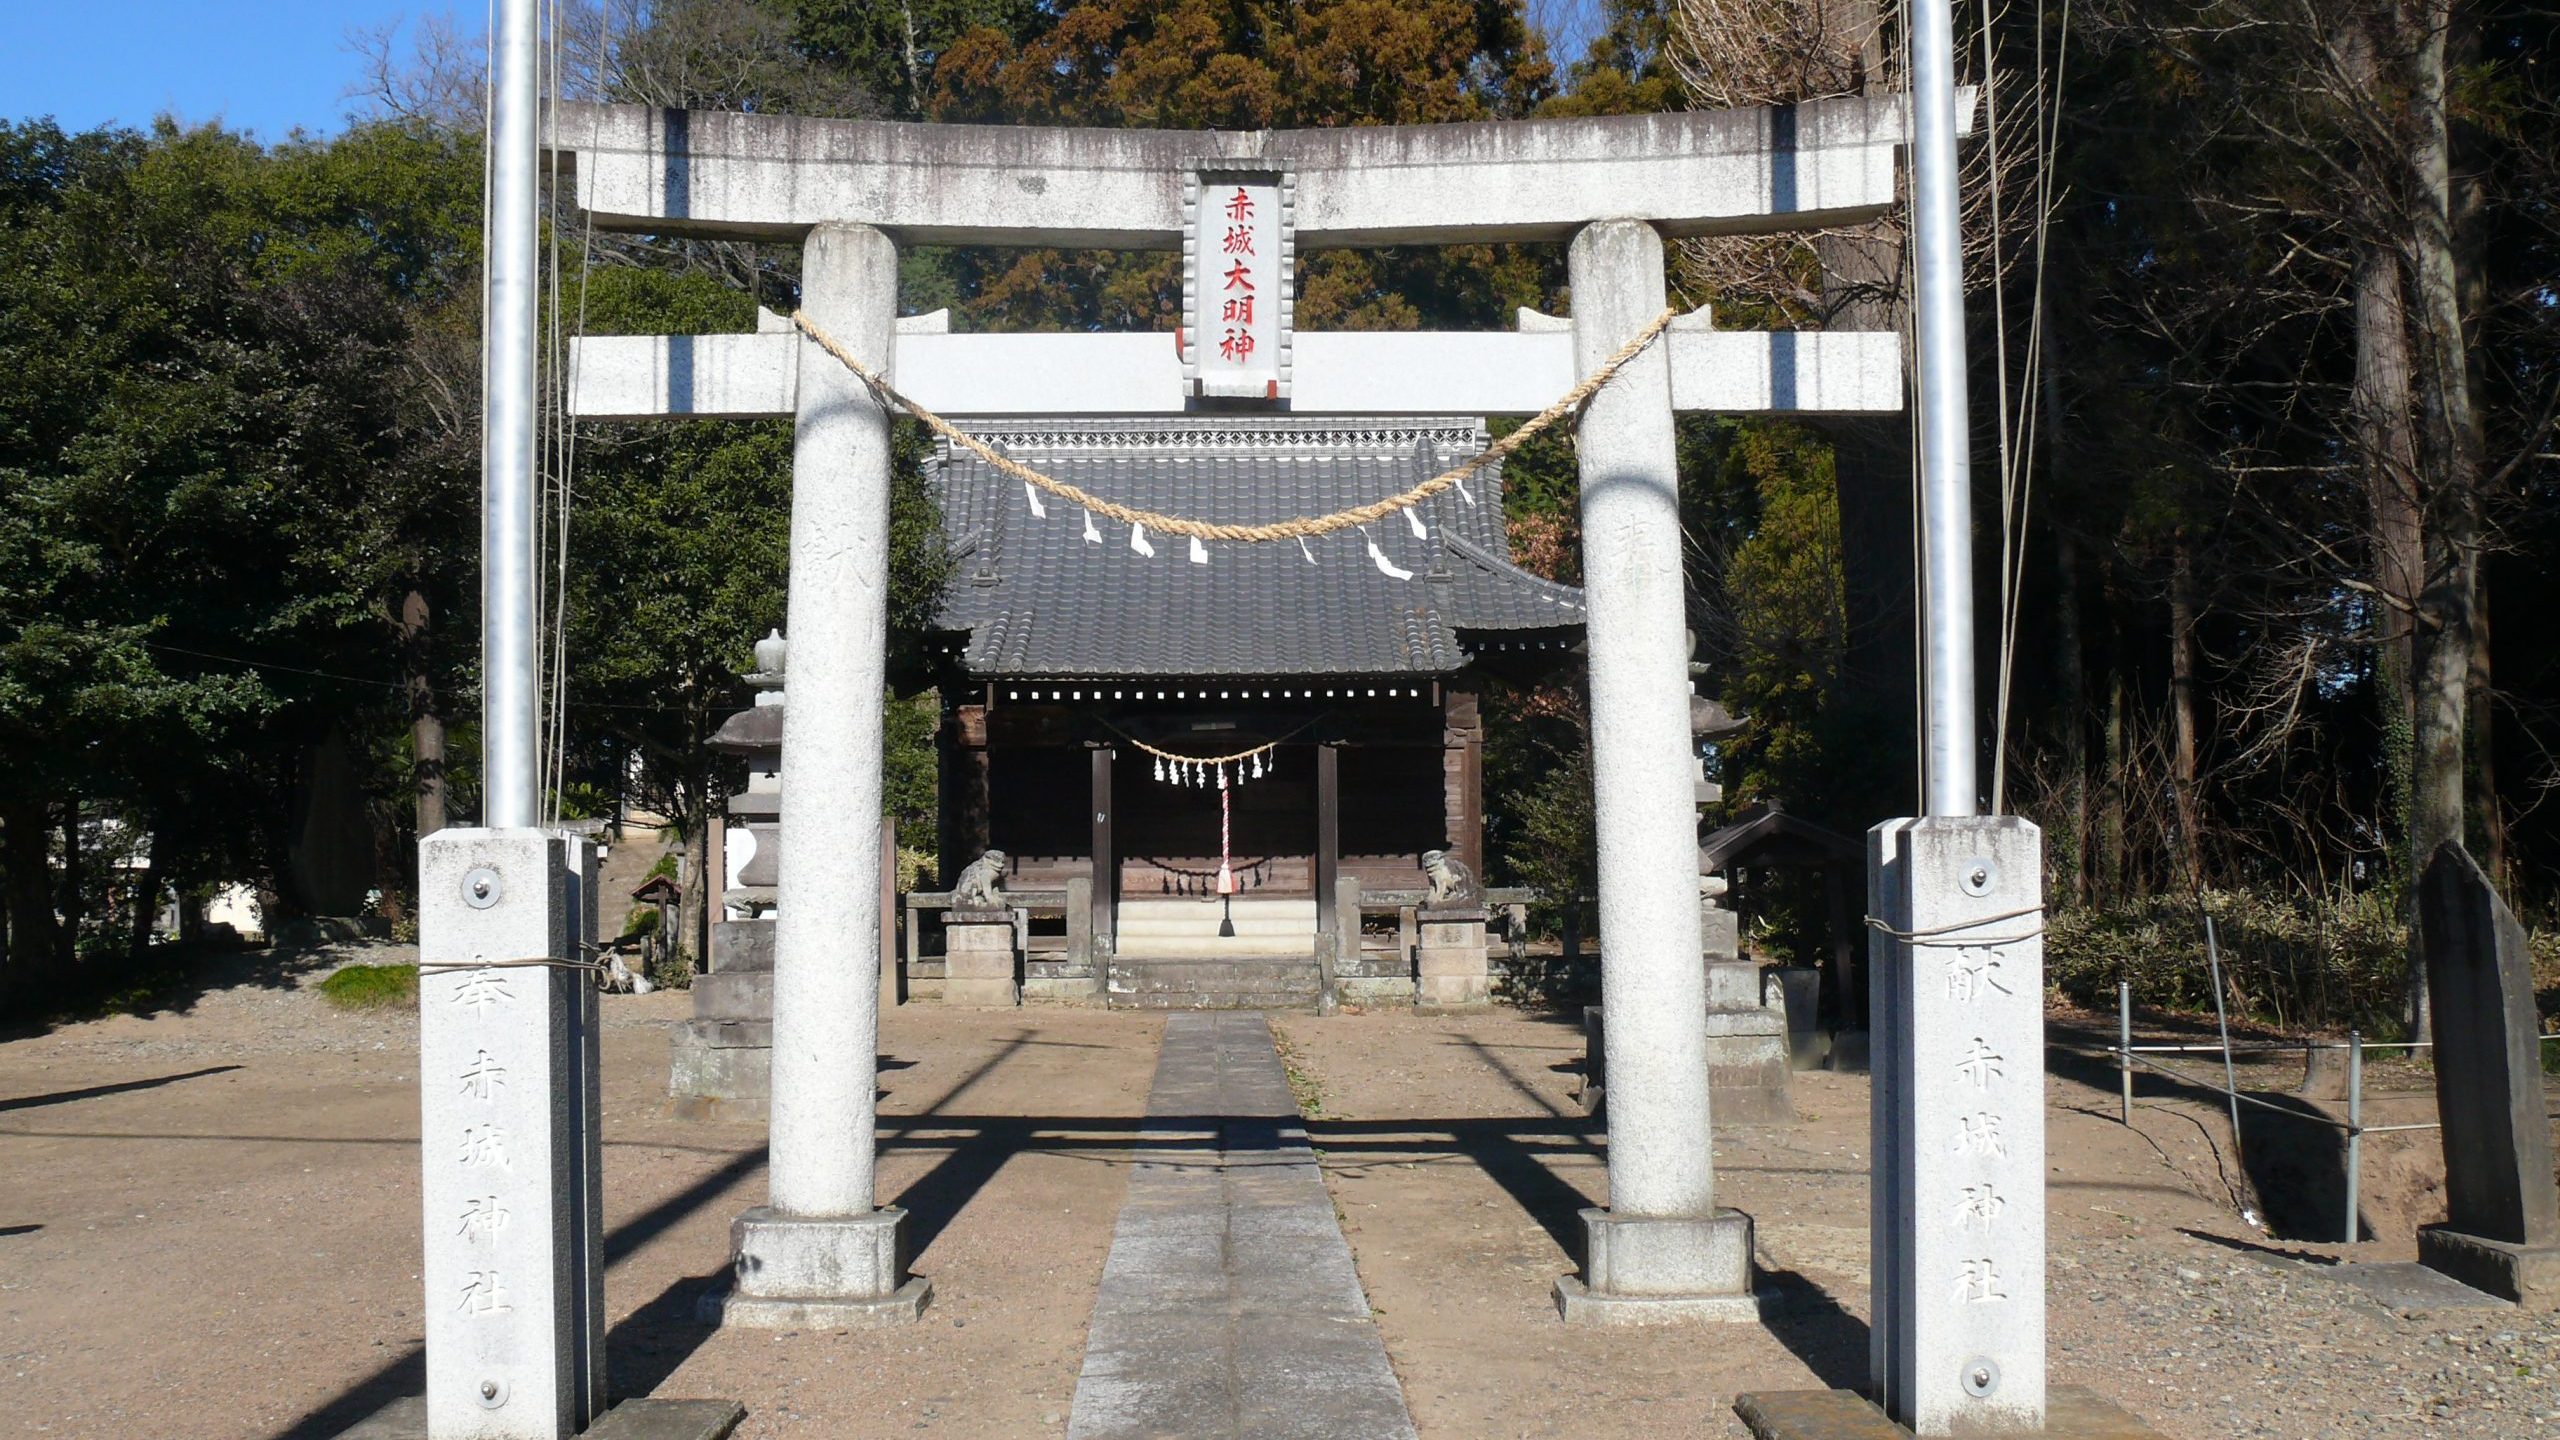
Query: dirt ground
[[208, 1229]]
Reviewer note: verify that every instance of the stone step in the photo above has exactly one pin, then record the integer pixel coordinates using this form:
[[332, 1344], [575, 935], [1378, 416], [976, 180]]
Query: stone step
[[1141, 904], [1208, 925], [1186, 947], [1203, 917], [1297, 973], [1212, 983], [1216, 1000]]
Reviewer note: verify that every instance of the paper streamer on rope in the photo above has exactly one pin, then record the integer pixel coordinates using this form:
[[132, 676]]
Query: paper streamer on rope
[[1386, 567], [1303, 550], [1414, 518], [1199, 552], [1092, 536], [1138, 540], [1462, 492], [1032, 494]]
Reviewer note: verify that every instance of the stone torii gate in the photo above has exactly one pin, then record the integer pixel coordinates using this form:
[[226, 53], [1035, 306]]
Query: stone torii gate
[[1614, 188], [822, 1253]]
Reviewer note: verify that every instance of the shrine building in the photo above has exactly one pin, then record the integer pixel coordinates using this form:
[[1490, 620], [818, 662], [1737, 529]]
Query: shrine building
[[1085, 661]]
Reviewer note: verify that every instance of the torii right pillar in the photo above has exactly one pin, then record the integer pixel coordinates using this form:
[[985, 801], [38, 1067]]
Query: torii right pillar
[[1662, 1250]]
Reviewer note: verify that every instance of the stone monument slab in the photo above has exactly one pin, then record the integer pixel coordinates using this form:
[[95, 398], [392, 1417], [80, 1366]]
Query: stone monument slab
[[2501, 1231]]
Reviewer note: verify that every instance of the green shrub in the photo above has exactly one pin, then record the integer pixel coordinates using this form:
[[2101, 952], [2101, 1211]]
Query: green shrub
[[673, 971], [2290, 962], [372, 987]]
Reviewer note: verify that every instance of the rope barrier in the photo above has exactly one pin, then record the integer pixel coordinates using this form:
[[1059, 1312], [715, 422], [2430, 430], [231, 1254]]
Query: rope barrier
[[1297, 529]]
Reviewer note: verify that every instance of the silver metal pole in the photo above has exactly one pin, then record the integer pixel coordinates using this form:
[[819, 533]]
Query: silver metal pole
[[1946, 455], [2222, 1022], [2355, 1127], [511, 297], [2124, 1044]]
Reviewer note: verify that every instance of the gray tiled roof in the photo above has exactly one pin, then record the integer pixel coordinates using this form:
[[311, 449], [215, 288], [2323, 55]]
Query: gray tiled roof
[[1035, 598]]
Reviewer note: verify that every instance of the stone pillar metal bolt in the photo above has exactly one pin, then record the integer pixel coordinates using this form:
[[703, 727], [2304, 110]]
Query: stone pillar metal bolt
[[821, 1254], [506, 1126], [1959, 1211], [1662, 1250]]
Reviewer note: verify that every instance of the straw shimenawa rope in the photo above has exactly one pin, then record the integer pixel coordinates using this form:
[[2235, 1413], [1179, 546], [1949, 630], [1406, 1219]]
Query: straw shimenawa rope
[[1209, 759], [1297, 529]]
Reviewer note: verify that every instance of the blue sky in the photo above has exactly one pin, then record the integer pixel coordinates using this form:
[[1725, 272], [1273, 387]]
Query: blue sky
[[261, 65]]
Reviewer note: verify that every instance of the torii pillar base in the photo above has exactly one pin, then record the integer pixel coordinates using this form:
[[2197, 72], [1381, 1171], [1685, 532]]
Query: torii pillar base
[[837, 1273], [1661, 1270]]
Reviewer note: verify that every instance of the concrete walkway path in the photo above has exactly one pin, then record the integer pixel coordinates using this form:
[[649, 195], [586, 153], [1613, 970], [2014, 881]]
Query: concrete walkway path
[[1229, 1306]]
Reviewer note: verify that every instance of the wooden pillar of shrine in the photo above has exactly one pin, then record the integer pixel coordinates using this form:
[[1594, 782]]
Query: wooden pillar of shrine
[[1106, 863], [1329, 844], [1462, 776], [964, 797]]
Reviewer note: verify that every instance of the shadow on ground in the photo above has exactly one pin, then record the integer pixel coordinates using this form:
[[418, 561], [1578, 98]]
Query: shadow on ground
[[92, 1092], [640, 1352]]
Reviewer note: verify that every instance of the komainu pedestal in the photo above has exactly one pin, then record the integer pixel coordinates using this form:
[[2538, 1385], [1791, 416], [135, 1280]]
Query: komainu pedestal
[[979, 959], [1450, 968], [2502, 1214]]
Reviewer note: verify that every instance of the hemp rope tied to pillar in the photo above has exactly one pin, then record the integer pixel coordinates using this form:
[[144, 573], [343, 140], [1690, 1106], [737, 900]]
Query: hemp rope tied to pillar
[[549, 962], [1297, 529]]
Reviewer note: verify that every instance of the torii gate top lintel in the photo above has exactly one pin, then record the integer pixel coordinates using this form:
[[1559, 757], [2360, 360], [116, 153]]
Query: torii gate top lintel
[[724, 174]]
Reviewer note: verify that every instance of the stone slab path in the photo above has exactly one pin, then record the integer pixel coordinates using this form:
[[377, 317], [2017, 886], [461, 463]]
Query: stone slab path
[[1229, 1306]]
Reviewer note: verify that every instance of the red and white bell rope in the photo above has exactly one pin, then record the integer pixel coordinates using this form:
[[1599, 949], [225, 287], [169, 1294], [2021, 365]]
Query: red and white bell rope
[[1226, 865]]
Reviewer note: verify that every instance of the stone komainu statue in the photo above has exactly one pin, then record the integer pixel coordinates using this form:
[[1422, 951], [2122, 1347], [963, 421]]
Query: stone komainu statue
[[981, 886], [1453, 885]]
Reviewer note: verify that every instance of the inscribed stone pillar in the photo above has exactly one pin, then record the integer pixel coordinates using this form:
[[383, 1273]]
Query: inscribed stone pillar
[[1958, 1206], [2502, 1216], [506, 1122], [1662, 1250], [820, 1254]]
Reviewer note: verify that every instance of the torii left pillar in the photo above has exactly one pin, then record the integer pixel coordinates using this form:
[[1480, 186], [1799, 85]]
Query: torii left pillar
[[1663, 1250], [821, 1253]]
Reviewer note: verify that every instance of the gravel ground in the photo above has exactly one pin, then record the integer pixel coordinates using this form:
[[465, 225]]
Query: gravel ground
[[208, 1229]]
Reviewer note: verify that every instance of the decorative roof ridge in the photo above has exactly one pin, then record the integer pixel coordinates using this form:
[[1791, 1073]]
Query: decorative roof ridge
[[1501, 565]]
